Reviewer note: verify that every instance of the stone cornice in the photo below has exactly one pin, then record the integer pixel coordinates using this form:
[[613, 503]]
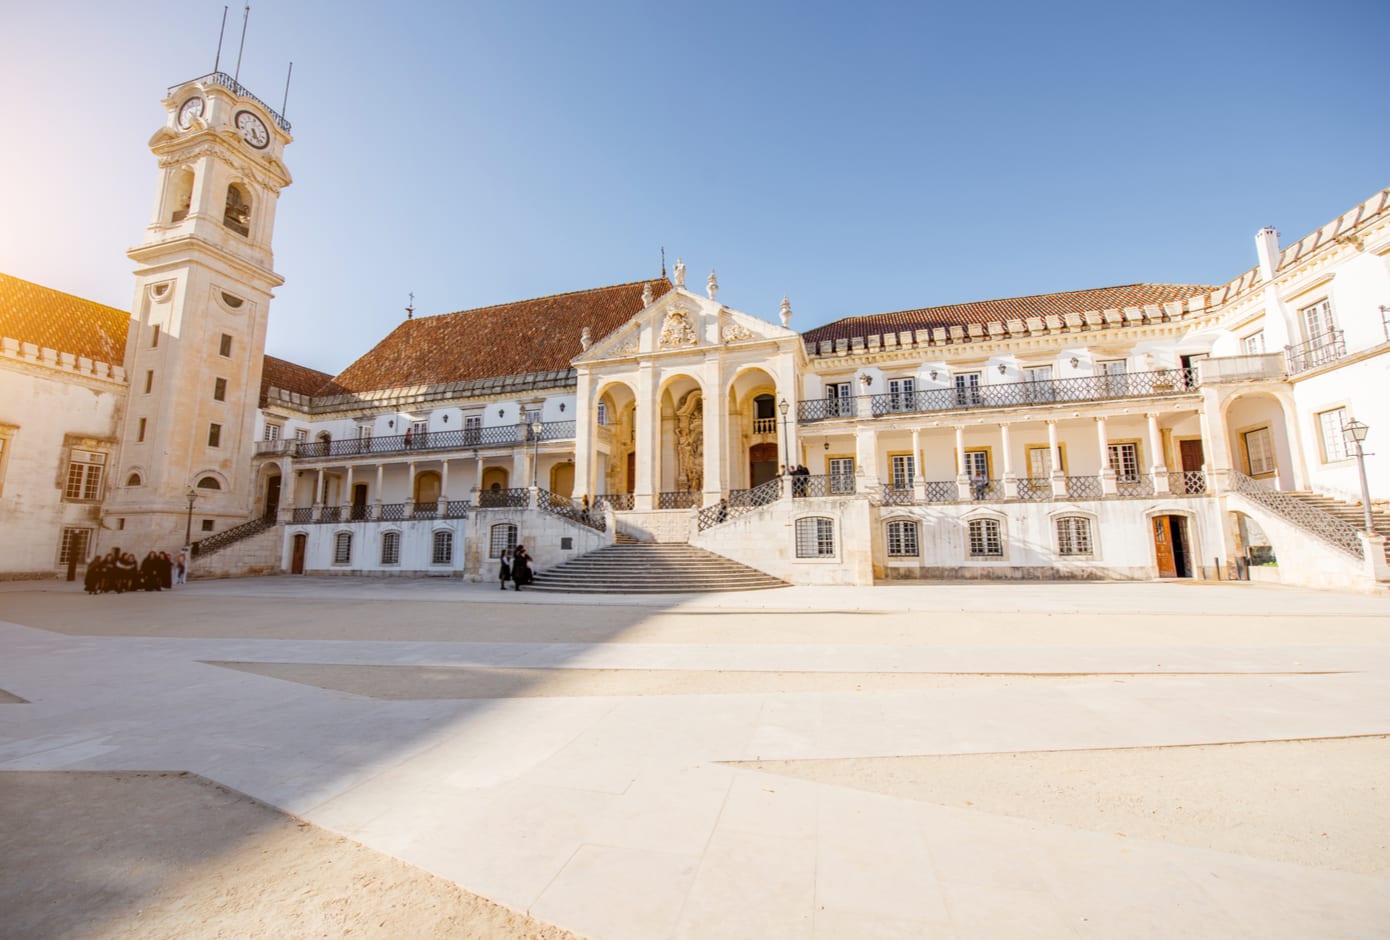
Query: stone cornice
[[67, 364]]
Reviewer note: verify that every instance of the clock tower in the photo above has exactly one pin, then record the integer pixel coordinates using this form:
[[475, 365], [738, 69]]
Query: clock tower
[[204, 278]]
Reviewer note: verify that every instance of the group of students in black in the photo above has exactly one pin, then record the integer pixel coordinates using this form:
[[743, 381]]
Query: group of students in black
[[515, 567], [117, 572]]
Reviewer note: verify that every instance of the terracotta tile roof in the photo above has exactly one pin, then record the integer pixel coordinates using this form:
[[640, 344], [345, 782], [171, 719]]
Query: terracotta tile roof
[[291, 377], [32, 313], [985, 311], [521, 338]]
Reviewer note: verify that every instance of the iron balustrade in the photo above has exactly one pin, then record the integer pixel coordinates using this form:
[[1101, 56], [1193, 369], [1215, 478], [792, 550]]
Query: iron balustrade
[[456, 509], [1318, 351], [359, 512], [515, 498], [942, 491], [897, 495], [1034, 488], [392, 512], [1008, 395], [1134, 484], [982, 489], [713, 515], [235, 534], [1338, 533], [621, 502], [506, 435], [330, 513], [563, 506], [1187, 482], [238, 89], [302, 515], [761, 495], [829, 484], [1084, 487], [677, 499], [424, 511]]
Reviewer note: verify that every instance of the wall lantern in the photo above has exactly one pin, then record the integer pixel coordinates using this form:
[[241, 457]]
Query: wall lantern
[[1003, 368], [446, 419], [562, 407], [1075, 362]]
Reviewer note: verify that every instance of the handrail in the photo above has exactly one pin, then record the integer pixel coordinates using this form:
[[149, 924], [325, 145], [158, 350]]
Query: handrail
[[1336, 532], [563, 506], [505, 435], [1318, 351], [229, 536], [238, 89]]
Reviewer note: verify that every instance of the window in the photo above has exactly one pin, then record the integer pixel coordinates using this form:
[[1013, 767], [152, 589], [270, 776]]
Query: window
[[600, 415], [473, 427], [1254, 344], [985, 541], [1039, 387], [1259, 451], [839, 403], [207, 525], [390, 548], [224, 345], [301, 435], [1334, 442], [418, 430], [209, 483], [977, 465], [1113, 372], [503, 539], [272, 432], [1073, 535], [967, 388], [154, 336], [214, 435], [902, 471], [237, 216], [84, 475], [842, 474], [73, 546], [902, 539], [342, 548], [1039, 463], [134, 480], [1124, 460], [902, 394], [219, 390], [1317, 322], [815, 537], [140, 431], [149, 381], [443, 548]]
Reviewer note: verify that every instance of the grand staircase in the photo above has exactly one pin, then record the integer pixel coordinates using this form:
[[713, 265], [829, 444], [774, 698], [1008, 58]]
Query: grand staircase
[[651, 568], [1350, 513]]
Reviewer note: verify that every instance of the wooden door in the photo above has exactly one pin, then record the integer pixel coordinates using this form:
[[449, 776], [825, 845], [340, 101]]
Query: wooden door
[[1191, 455], [1163, 547], [272, 496], [359, 500], [762, 463], [631, 470], [297, 554]]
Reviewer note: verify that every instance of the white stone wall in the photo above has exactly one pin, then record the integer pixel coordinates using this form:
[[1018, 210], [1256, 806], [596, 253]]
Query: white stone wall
[[766, 539], [1303, 559], [1359, 387]]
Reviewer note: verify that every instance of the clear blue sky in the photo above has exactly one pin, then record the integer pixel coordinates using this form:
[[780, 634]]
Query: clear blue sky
[[859, 157]]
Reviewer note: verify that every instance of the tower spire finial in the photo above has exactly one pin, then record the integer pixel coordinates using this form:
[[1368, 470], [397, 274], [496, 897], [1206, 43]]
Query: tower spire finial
[[663, 260], [410, 310]]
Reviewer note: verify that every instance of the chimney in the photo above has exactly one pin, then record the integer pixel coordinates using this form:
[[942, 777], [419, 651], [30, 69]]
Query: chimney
[[1267, 248]]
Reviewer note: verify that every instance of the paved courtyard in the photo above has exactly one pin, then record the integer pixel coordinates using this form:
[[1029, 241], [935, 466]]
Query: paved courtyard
[[961, 760]]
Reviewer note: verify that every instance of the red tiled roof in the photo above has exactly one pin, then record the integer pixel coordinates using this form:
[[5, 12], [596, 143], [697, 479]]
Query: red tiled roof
[[525, 337], [291, 377], [1009, 308], [32, 313]]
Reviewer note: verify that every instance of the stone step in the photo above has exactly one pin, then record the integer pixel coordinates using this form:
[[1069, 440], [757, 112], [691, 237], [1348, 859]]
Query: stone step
[[652, 568]]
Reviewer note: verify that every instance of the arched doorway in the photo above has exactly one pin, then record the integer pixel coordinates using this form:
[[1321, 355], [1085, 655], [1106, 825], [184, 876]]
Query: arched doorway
[[1259, 440], [762, 463], [494, 478], [272, 496], [754, 427], [297, 553], [427, 487], [562, 479]]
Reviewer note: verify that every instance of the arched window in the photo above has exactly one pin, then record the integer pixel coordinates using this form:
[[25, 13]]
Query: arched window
[[902, 539], [209, 483], [986, 540], [183, 195], [342, 548], [503, 539], [427, 487], [815, 537], [1073, 535], [238, 214], [134, 480], [390, 548], [443, 548]]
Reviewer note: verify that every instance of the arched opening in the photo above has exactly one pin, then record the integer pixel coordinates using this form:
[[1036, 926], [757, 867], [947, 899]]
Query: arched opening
[[427, 487], [237, 216], [1259, 441], [134, 480], [182, 195], [614, 440], [209, 483], [755, 429], [680, 467], [562, 479], [495, 478]]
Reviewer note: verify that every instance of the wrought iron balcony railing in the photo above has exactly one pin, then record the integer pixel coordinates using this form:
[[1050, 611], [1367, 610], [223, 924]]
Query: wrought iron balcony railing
[[1084, 487], [507, 435], [515, 498], [1187, 482], [1336, 532], [1009, 395], [1034, 488], [897, 495], [563, 506], [829, 484], [677, 499], [1318, 351], [1134, 484], [238, 89], [621, 502]]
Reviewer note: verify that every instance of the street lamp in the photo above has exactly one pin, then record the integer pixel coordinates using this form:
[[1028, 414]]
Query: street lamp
[[784, 408], [536, 428], [192, 495], [1355, 432]]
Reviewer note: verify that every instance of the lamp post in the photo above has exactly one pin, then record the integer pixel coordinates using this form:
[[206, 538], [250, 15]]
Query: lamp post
[[1355, 432], [536, 428], [784, 408], [192, 495]]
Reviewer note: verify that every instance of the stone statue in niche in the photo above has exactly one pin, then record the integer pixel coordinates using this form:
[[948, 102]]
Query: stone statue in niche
[[677, 330], [690, 437]]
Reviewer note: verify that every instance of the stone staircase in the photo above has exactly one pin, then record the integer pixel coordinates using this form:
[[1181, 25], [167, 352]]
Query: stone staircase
[[632, 567], [1350, 513]]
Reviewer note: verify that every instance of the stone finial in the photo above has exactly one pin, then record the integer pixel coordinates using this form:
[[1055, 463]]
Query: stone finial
[[586, 339], [712, 285], [678, 273], [786, 312], [647, 294]]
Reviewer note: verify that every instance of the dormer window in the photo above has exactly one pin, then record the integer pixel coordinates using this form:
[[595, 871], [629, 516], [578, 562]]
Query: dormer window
[[238, 214]]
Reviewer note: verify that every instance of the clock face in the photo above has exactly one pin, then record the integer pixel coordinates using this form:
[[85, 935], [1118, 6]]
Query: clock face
[[192, 108], [252, 130]]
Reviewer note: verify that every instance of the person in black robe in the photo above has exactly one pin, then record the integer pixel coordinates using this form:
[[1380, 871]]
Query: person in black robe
[[149, 572], [521, 567], [166, 571], [504, 570], [91, 583]]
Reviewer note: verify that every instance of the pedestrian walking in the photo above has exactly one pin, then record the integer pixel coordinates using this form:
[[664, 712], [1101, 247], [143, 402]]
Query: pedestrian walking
[[521, 567], [504, 571]]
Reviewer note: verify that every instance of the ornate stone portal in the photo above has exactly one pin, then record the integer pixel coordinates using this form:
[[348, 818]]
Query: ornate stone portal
[[690, 443], [677, 331]]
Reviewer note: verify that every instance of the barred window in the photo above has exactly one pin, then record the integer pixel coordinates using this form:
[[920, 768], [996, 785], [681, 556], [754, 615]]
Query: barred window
[[985, 541], [342, 548], [503, 539], [815, 537], [84, 475], [902, 471], [902, 539], [391, 548], [74, 545], [443, 547], [1334, 442], [1073, 535]]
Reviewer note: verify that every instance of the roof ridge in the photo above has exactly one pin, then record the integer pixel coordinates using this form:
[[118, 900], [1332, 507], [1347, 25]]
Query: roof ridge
[[1058, 293], [568, 293]]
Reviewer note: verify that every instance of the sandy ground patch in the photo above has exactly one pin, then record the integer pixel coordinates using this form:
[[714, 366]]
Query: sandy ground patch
[[465, 682], [160, 855], [1322, 802]]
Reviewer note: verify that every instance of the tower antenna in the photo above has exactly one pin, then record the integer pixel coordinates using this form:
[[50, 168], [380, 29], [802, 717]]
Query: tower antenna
[[663, 260], [410, 311], [286, 99], [217, 62], [244, 17]]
